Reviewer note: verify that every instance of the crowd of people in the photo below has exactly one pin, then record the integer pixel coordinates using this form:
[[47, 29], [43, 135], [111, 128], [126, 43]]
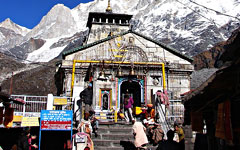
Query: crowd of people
[[146, 129], [25, 141]]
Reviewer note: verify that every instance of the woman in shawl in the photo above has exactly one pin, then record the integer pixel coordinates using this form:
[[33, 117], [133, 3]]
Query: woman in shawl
[[139, 135]]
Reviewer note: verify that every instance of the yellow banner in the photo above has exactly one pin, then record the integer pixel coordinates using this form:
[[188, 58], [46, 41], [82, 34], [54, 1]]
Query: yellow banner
[[29, 121], [60, 101], [17, 118]]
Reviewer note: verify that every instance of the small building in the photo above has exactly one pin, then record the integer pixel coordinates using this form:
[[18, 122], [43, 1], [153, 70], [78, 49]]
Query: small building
[[118, 60], [212, 109]]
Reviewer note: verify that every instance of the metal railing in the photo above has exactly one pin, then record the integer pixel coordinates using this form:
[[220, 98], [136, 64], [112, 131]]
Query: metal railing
[[168, 116], [162, 119], [34, 105], [175, 112]]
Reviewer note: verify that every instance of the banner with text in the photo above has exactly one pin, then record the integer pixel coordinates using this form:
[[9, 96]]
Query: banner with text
[[56, 119]]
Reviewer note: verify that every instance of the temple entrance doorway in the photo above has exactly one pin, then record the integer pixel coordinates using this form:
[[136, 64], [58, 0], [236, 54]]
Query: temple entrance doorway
[[133, 88]]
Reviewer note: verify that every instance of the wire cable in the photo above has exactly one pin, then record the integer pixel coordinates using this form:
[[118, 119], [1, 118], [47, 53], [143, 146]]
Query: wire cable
[[217, 12], [212, 21]]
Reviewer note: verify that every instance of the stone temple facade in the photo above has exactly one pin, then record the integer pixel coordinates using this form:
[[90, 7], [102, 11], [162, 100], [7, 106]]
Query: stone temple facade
[[118, 60]]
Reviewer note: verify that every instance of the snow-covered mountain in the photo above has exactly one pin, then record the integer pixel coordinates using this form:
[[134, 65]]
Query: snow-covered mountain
[[9, 24], [58, 22], [11, 34], [190, 26]]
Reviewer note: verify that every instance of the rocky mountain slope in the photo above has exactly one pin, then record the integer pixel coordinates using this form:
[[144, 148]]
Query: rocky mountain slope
[[7, 66], [209, 59], [29, 79], [37, 81], [208, 62]]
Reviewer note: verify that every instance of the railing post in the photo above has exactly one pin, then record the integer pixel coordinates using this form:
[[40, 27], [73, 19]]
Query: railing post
[[115, 116], [77, 108], [24, 106], [50, 102]]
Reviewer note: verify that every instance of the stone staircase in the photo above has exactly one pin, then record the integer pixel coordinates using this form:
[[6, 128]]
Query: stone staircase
[[110, 135]]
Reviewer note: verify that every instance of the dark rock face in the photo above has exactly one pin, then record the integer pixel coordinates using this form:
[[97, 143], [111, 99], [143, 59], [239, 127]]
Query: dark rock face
[[74, 41], [71, 42], [208, 62], [214, 58], [232, 49], [27, 47], [9, 39], [38, 81], [8, 65], [207, 59]]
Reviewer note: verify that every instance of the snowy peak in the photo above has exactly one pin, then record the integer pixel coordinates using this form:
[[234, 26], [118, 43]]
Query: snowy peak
[[9, 24], [201, 23], [58, 22], [80, 12], [118, 6]]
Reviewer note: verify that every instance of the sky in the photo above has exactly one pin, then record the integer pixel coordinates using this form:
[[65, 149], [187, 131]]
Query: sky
[[28, 13]]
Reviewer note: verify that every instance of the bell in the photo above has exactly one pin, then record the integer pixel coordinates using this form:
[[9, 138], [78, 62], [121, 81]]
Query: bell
[[132, 73], [119, 72]]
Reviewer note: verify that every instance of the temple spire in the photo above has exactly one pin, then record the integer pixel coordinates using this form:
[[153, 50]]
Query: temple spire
[[109, 9]]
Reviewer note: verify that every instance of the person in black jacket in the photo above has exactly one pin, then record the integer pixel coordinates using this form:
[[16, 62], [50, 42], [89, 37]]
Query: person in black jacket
[[25, 141], [169, 144], [22, 143], [87, 96]]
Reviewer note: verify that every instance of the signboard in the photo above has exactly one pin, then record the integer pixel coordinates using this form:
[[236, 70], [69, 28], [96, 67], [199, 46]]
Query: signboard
[[29, 122], [60, 101], [56, 119], [17, 118]]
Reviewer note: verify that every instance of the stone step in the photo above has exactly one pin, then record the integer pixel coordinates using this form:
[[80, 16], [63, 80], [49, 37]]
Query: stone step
[[117, 144], [114, 130], [110, 136], [108, 148], [128, 126], [106, 143], [121, 136], [150, 147]]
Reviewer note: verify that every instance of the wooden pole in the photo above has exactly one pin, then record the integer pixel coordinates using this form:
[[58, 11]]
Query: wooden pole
[[11, 85]]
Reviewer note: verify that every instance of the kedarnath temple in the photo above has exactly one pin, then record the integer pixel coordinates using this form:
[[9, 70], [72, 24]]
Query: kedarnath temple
[[118, 60]]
